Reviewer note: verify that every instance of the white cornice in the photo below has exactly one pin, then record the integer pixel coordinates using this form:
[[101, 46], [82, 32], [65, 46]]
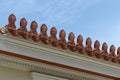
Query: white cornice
[[37, 67], [38, 76], [57, 55]]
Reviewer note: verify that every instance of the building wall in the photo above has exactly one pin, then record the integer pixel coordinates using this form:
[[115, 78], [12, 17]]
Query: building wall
[[7, 73], [13, 74], [44, 58]]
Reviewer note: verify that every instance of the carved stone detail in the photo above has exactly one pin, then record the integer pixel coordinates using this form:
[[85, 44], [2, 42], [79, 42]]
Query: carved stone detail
[[34, 67]]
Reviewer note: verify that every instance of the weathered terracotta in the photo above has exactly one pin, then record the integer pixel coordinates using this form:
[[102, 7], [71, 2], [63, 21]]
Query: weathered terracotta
[[96, 50], [62, 40], [43, 34], [22, 31], [33, 31], [118, 55], [52, 37], [71, 43], [11, 27], [104, 52], [88, 48], [112, 53], [79, 44]]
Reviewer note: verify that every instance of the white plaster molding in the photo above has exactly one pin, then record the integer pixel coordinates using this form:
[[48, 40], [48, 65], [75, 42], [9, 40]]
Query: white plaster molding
[[35, 67], [39, 76], [57, 55], [3, 30]]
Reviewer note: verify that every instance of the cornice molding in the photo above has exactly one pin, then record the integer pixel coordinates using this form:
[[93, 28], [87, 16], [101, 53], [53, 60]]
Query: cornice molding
[[39, 76], [37, 67], [58, 55]]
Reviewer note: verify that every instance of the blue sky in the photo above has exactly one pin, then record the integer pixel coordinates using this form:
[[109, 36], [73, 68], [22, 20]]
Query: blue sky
[[98, 19]]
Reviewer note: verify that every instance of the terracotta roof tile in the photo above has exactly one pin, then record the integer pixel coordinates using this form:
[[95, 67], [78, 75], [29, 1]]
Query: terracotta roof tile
[[52, 39]]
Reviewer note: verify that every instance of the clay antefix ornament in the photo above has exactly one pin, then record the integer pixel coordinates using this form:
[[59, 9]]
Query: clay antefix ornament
[[22, 31], [104, 52], [79, 44], [11, 27], [43, 34], [71, 43], [112, 53], [118, 55], [88, 48], [33, 31], [62, 41], [96, 50], [53, 38]]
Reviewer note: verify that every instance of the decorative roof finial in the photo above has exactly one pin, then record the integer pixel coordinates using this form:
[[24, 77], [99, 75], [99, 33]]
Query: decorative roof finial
[[118, 52], [23, 30], [112, 53], [79, 44], [112, 50], [97, 51], [43, 34], [33, 31], [88, 48], [104, 51], [71, 43], [118, 55], [11, 27], [52, 37], [62, 40]]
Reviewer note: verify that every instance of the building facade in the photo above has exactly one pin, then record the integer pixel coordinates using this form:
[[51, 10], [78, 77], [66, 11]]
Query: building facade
[[27, 55]]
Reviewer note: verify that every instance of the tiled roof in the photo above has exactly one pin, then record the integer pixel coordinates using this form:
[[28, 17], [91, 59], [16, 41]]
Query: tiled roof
[[61, 41]]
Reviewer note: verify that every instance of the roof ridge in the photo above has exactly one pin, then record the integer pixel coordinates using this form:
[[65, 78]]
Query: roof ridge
[[52, 39]]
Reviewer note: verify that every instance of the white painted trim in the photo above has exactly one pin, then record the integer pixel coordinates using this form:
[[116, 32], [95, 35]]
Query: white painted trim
[[35, 67], [57, 55], [39, 76]]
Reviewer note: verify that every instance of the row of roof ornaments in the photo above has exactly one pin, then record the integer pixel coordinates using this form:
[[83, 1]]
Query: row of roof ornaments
[[52, 39]]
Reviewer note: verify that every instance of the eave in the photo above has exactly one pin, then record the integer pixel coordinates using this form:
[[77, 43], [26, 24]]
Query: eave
[[27, 50]]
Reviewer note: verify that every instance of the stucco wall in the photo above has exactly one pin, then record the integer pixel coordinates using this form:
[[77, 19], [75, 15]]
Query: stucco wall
[[13, 74]]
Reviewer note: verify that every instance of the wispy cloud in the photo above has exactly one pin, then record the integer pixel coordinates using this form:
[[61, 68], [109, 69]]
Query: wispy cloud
[[55, 11], [100, 22]]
